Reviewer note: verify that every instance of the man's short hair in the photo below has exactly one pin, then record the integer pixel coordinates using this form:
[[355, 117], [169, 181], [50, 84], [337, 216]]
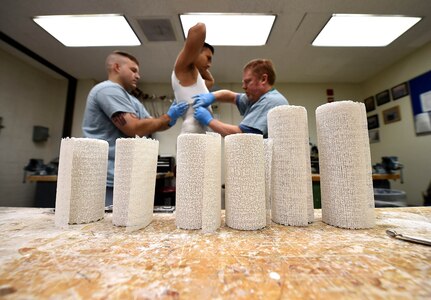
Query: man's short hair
[[206, 45], [262, 66], [114, 57], [128, 55]]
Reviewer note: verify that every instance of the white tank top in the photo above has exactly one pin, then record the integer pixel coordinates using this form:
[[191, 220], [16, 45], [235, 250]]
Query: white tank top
[[185, 94]]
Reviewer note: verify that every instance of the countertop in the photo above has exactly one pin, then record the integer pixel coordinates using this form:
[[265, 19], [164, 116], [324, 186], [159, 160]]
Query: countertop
[[392, 176], [314, 177], [101, 261], [53, 178]]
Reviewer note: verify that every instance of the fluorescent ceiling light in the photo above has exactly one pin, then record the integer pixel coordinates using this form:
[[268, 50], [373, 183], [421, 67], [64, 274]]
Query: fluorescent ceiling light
[[231, 29], [347, 30], [89, 30]]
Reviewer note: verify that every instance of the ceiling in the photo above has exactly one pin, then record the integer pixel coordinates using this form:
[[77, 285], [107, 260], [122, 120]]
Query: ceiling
[[289, 45]]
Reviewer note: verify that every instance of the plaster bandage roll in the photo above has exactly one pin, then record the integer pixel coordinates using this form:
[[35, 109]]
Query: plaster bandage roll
[[268, 149], [211, 200], [81, 181], [245, 181], [345, 165], [134, 181], [292, 199], [198, 183]]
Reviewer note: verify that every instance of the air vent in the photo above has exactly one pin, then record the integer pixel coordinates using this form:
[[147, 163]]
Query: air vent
[[157, 30]]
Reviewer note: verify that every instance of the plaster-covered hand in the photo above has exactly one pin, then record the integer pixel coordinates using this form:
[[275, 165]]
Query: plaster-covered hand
[[204, 100], [203, 115], [176, 111]]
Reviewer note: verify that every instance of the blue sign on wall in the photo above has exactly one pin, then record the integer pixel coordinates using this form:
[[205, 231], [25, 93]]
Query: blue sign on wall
[[420, 93]]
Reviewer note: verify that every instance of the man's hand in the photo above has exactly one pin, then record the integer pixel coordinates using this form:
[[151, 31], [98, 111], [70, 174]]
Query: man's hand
[[203, 100], [203, 116], [176, 111]]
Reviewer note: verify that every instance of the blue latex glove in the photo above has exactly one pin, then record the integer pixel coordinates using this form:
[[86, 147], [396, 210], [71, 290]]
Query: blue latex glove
[[203, 115], [176, 111], [204, 100]]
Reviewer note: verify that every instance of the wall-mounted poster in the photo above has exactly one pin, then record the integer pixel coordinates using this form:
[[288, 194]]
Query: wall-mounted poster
[[420, 92], [370, 104], [374, 136], [373, 122], [391, 115], [383, 97], [400, 90]]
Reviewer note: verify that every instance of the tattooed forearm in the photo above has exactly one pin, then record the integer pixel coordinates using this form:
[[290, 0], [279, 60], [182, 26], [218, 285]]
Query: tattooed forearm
[[119, 119]]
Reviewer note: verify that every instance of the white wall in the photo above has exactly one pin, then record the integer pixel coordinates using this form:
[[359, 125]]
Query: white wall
[[28, 97], [399, 138], [83, 88]]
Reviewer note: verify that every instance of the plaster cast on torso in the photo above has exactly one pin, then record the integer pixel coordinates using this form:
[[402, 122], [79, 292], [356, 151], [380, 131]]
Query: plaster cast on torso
[[185, 94]]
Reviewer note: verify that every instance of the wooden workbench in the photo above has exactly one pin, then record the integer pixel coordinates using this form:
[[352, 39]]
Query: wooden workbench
[[53, 178], [100, 261], [392, 176], [46, 187], [314, 177]]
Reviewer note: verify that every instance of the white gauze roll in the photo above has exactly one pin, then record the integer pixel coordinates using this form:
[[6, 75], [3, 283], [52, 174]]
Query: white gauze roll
[[81, 181], [211, 200], [268, 148], [198, 181], [245, 181], [134, 181], [345, 165], [292, 199]]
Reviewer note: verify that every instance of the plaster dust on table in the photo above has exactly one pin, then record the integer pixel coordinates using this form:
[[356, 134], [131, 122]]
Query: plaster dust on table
[[21, 229], [99, 260], [408, 223]]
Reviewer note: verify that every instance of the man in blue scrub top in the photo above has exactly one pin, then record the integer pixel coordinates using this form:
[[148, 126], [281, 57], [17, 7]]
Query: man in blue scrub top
[[257, 81], [112, 112]]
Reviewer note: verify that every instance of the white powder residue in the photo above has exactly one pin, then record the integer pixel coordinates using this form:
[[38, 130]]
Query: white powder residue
[[407, 223], [274, 275]]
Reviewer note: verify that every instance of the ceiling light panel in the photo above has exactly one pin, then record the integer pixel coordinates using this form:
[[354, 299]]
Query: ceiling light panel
[[231, 29], [347, 30], [89, 30]]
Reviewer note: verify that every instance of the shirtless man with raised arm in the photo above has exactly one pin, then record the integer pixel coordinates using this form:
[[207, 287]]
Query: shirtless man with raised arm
[[191, 74]]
